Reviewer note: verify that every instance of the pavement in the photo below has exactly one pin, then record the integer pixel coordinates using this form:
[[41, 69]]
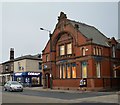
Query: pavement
[[112, 98], [53, 90]]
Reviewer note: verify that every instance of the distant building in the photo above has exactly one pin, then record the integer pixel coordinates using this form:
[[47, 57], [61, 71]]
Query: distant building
[[1, 70], [25, 69], [8, 68], [80, 51], [28, 70]]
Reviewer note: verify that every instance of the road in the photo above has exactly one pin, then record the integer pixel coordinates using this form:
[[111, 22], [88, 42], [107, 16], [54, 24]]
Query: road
[[34, 96]]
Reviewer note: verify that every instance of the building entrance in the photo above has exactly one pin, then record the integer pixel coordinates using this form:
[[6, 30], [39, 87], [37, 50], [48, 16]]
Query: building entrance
[[47, 80]]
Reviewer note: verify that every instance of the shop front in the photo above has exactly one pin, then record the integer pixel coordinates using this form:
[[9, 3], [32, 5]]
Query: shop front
[[30, 79]]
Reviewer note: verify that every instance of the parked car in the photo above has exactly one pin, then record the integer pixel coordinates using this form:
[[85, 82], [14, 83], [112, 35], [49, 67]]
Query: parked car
[[13, 86]]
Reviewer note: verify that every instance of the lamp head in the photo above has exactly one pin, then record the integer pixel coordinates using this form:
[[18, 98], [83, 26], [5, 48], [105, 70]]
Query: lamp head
[[41, 29]]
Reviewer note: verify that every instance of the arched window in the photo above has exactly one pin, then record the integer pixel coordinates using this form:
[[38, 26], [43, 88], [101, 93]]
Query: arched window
[[69, 48], [100, 51], [113, 51], [97, 51], [94, 51], [47, 58], [83, 51], [62, 50]]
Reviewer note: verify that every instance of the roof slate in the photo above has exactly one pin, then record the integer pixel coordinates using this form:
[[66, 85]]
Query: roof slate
[[91, 33], [32, 57]]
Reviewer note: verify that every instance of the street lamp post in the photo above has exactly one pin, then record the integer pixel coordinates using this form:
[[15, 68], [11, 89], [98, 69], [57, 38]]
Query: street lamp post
[[50, 55]]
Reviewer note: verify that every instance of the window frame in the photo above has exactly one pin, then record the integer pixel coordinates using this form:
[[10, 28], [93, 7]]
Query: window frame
[[47, 58], [113, 51], [70, 49], [98, 69], [82, 68], [72, 66], [68, 66], [60, 49], [83, 51]]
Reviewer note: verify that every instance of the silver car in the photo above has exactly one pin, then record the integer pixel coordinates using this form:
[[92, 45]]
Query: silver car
[[13, 86]]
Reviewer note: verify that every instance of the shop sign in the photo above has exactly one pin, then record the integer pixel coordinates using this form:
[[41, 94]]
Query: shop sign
[[62, 61], [32, 73], [18, 74], [98, 58]]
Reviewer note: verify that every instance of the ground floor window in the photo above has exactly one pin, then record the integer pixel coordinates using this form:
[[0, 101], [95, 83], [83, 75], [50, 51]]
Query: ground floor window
[[84, 69], [73, 70], [60, 69], [98, 69], [19, 79], [67, 70], [8, 77], [64, 71], [115, 73], [35, 80], [29, 80]]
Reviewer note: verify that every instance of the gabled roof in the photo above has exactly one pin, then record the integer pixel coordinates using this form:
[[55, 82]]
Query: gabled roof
[[9, 61], [32, 57], [118, 45], [91, 33]]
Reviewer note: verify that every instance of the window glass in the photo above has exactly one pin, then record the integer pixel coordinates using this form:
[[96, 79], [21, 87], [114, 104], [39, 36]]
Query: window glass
[[84, 69], [68, 71], [40, 65], [62, 50], [115, 73], [69, 48], [98, 69], [94, 50], [47, 59], [113, 51], [35, 80], [19, 66], [60, 71], [97, 51], [64, 71], [83, 51], [100, 51], [74, 70]]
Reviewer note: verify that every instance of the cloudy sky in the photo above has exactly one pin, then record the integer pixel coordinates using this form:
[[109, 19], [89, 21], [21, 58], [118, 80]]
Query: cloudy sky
[[21, 22]]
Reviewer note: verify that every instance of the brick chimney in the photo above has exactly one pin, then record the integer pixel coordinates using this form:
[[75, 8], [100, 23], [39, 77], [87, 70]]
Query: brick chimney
[[11, 53]]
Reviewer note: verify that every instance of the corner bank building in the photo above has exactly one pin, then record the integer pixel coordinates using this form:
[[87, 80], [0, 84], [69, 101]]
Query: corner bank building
[[76, 51]]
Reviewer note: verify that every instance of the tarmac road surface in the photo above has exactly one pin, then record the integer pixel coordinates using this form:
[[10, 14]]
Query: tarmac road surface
[[39, 96]]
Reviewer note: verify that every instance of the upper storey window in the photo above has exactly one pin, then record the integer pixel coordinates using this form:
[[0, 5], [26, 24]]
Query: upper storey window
[[83, 51], [62, 50], [47, 58], [113, 51], [69, 48], [97, 51], [100, 51], [94, 51]]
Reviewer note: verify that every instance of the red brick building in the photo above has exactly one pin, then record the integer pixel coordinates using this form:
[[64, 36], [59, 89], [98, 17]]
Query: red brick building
[[80, 51]]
